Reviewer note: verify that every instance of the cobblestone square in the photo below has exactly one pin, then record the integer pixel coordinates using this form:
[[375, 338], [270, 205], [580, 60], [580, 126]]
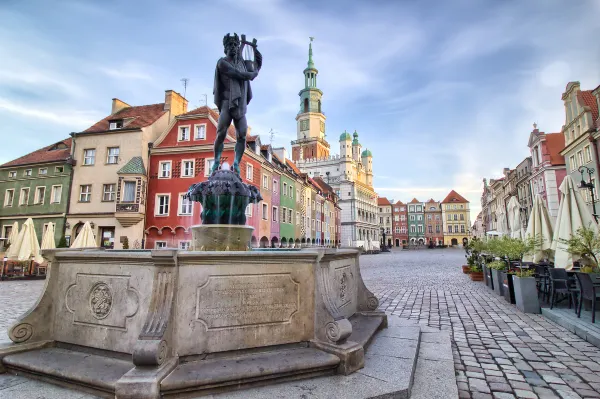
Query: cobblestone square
[[498, 351]]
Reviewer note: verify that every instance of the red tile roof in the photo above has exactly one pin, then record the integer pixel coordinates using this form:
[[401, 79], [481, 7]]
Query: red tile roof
[[250, 139], [44, 155], [555, 142], [399, 203], [414, 201], [141, 116], [383, 201], [293, 166], [587, 98], [453, 196]]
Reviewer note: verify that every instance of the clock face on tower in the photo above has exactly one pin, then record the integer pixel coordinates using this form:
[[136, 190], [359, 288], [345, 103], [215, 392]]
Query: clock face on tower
[[322, 126], [304, 124]]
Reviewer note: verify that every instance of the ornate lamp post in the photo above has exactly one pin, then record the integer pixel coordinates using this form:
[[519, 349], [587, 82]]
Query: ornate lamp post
[[589, 186]]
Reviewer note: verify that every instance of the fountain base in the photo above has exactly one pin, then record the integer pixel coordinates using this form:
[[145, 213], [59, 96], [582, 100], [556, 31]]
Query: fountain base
[[221, 237]]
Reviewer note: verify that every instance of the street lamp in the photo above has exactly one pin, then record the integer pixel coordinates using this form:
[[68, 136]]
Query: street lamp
[[589, 186]]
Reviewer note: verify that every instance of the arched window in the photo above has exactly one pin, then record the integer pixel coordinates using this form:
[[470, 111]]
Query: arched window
[[306, 105], [319, 105]]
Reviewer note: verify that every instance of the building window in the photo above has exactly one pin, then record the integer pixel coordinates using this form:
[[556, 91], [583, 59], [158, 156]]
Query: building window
[[115, 124], [298, 218], [283, 213], [275, 213], [428, 217], [249, 210], [89, 157], [437, 228], [455, 217], [291, 192], [274, 186], [572, 162], [381, 220], [59, 169], [456, 228], [208, 167], [43, 171], [449, 217], [413, 229], [9, 196], [430, 228], [403, 218], [449, 229], [165, 170], [112, 155], [185, 205], [462, 216], [27, 172], [284, 191], [56, 194], [184, 133], [40, 193], [420, 228], [85, 193], [249, 172], [200, 132], [160, 244], [265, 182], [162, 205], [462, 228], [580, 158], [108, 192], [185, 245], [298, 194], [290, 216], [437, 217], [188, 168], [12, 174], [129, 191], [419, 217], [265, 211]]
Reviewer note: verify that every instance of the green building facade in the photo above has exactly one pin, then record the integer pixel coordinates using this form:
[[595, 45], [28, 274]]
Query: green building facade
[[416, 222], [287, 206], [37, 186]]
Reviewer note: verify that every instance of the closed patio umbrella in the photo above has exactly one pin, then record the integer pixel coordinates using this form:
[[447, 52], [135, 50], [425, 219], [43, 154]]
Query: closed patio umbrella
[[573, 214], [539, 226], [48, 237], [514, 218], [85, 238], [26, 245], [501, 225]]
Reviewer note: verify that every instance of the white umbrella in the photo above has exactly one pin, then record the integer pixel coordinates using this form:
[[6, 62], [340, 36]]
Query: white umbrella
[[514, 218], [14, 233], [85, 238], [573, 214], [26, 245], [539, 226], [48, 238], [501, 226]]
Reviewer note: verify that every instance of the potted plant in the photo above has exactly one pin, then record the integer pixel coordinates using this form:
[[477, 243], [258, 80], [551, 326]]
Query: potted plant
[[585, 244], [496, 268], [476, 273], [526, 296]]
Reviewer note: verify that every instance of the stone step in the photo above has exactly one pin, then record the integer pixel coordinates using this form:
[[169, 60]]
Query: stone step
[[208, 376], [89, 372], [364, 328]]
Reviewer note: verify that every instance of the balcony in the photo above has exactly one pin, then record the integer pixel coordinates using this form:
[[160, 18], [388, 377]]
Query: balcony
[[128, 214], [310, 139]]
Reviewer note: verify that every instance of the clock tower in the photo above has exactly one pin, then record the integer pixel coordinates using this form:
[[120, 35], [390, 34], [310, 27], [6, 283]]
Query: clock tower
[[310, 142]]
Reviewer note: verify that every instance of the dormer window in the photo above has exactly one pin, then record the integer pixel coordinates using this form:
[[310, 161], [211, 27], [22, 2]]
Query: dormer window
[[115, 124]]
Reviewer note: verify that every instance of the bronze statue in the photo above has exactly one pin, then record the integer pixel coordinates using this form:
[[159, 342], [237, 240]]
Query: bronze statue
[[233, 93]]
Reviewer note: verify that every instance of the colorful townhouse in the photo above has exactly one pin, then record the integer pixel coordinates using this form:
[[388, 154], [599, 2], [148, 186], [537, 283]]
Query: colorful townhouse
[[37, 186], [434, 229], [416, 225], [400, 224], [385, 220], [110, 159], [456, 216]]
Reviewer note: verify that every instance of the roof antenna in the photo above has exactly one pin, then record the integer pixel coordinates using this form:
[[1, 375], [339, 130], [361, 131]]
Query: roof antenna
[[271, 134], [205, 99], [185, 83]]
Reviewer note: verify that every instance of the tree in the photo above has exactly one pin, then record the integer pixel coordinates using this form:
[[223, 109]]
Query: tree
[[585, 243], [125, 243]]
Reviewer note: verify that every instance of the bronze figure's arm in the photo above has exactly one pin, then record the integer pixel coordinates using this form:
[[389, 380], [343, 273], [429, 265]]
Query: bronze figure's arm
[[225, 67]]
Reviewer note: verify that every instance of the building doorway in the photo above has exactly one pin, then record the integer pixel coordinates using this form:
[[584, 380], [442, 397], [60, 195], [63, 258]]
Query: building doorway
[[397, 242], [107, 237], [454, 242]]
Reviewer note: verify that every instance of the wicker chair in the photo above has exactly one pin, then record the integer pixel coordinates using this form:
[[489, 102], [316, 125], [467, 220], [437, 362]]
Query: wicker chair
[[588, 291]]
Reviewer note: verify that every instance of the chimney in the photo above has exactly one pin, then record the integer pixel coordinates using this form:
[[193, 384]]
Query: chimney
[[505, 171], [281, 153], [175, 103], [118, 105]]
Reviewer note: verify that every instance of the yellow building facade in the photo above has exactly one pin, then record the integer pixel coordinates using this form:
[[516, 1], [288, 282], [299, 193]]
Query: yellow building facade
[[457, 220]]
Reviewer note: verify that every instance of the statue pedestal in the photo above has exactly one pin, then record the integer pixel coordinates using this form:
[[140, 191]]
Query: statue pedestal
[[221, 237], [169, 323]]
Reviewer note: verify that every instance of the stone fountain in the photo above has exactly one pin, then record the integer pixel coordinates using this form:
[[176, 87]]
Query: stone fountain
[[170, 323]]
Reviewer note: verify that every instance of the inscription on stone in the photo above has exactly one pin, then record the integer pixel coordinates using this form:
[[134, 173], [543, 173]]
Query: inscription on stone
[[344, 278], [246, 300]]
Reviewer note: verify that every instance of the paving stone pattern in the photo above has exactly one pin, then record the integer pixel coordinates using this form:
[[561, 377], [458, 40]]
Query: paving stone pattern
[[498, 351]]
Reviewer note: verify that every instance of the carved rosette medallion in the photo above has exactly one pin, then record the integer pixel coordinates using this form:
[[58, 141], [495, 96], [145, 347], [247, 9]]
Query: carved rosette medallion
[[100, 300], [21, 332]]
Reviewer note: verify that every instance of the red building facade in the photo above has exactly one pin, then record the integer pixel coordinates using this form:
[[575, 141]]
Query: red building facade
[[182, 156], [400, 223]]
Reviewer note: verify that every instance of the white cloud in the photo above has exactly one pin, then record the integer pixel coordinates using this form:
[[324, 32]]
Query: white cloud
[[59, 117]]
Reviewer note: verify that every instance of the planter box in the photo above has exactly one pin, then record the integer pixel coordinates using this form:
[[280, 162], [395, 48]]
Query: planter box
[[526, 296], [466, 269], [488, 278], [508, 287], [497, 278], [476, 276]]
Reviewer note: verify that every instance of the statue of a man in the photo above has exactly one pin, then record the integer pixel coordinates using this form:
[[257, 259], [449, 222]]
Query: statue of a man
[[232, 94]]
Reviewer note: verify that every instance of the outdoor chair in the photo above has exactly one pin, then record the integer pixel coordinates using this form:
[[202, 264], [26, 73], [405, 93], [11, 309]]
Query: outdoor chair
[[559, 284], [588, 291], [540, 279]]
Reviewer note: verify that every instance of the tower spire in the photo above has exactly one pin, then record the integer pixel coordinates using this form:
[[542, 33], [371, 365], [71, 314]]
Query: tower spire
[[310, 60]]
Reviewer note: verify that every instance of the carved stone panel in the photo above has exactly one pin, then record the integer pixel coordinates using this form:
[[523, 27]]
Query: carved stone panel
[[246, 300], [345, 281], [101, 300]]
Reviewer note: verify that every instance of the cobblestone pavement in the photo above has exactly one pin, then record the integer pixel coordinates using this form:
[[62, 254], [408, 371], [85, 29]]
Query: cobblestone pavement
[[498, 351]]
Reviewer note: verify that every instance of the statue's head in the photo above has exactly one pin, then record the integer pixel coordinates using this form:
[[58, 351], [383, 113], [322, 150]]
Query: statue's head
[[231, 44]]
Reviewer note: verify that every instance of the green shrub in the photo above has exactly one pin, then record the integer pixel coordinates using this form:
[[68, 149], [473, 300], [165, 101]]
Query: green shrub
[[585, 243], [497, 265], [476, 269], [524, 273]]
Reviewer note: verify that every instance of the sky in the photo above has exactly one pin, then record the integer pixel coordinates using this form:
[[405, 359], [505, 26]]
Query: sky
[[444, 93]]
